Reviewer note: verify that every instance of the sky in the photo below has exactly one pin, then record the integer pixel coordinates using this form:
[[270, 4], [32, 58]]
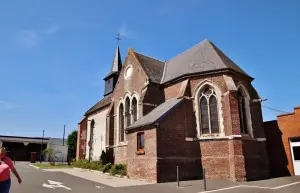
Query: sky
[[55, 54]]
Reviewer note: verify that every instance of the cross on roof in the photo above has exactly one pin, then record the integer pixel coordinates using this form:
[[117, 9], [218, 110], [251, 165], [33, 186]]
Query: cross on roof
[[118, 37]]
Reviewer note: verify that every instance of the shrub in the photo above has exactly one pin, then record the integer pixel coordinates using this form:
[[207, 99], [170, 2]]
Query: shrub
[[97, 165], [118, 169], [106, 167], [104, 158]]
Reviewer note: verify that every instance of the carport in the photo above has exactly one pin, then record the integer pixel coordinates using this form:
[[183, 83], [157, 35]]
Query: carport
[[20, 148]]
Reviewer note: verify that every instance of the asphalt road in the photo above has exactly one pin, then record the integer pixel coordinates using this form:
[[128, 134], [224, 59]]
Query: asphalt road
[[33, 180], [40, 181]]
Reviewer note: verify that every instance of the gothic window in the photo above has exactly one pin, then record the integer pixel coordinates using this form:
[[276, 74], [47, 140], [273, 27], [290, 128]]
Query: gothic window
[[209, 120], [134, 109], [242, 111], [127, 112], [121, 122]]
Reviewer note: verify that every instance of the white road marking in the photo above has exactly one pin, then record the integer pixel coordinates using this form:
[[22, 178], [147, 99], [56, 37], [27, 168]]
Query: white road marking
[[34, 166], [247, 186], [54, 184], [99, 187], [286, 185], [221, 189]]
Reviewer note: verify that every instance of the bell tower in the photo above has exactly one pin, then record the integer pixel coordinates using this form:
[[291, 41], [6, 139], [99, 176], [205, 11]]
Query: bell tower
[[112, 78]]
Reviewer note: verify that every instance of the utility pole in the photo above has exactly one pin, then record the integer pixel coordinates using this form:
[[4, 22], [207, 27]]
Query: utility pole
[[64, 135], [42, 147]]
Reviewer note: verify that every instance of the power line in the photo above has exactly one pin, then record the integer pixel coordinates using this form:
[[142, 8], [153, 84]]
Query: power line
[[274, 109]]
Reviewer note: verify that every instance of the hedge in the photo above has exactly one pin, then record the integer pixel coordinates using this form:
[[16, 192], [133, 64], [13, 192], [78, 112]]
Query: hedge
[[117, 169]]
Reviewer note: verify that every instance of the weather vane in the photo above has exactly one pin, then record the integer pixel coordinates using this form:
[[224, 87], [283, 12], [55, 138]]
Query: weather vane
[[118, 37]]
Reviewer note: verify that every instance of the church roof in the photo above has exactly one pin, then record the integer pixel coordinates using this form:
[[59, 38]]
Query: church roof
[[154, 68], [102, 103], [203, 57], [156, 114], [116, 64]]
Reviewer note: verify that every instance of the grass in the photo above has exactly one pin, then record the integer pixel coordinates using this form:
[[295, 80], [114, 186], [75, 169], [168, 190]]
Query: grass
[[49, 166]]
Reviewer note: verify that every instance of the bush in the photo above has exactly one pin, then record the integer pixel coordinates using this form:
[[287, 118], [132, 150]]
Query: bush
[[104, 158], [106, 167], [119, 169]]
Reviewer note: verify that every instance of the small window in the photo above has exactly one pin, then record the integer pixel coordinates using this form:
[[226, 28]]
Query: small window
[[140, 142]]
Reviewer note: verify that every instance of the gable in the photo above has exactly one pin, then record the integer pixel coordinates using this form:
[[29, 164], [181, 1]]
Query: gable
[[153, 67]]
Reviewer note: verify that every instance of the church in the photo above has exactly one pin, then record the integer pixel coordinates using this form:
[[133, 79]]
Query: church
[[197, 110]]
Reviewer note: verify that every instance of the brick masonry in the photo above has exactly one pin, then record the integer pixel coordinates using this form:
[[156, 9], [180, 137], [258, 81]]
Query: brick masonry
[[166, 143], [81, 139], [278, 133]]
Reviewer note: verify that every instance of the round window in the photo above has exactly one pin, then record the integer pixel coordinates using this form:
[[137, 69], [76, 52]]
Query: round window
[[128, 72]]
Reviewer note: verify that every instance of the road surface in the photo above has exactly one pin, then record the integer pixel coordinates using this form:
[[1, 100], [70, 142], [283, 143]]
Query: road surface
[[41, 181]]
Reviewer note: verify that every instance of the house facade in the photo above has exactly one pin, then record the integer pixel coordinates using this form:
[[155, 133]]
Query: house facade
[[283, 144], [197, 110]]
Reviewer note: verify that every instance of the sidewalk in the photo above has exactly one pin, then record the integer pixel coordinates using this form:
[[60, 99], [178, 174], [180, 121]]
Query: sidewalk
[[100, 177]]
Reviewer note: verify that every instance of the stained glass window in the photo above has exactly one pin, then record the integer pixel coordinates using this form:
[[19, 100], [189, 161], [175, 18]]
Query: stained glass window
[[209, 119], [121, 122], [134, 109]]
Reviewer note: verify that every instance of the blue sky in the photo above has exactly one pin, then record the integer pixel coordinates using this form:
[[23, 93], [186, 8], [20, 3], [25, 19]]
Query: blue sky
[[54, 54]]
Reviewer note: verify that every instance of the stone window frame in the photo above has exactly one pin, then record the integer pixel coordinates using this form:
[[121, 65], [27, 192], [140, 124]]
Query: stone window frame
[[122, 101], [197, 96], [248, 110]]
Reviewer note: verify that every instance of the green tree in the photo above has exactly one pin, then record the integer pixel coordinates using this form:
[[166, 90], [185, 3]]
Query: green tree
[[72, 143]]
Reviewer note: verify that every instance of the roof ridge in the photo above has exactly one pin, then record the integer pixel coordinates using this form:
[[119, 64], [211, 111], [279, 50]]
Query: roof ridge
[[149, 56], [187, 49], [214, 50], [164, 73], [218, 52]]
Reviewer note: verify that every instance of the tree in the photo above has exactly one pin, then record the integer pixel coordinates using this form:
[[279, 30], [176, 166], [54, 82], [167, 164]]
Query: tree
[[72, 143], [50, 154]]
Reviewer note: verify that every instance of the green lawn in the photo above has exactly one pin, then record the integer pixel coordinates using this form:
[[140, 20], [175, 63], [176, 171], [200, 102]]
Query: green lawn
[[48, 166]]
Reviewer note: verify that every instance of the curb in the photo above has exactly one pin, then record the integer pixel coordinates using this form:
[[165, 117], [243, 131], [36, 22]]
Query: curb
[[34, 166], [106, 173]]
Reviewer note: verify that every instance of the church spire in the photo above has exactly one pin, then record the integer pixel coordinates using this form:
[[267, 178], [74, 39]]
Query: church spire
[[117, 62], [112, 77]]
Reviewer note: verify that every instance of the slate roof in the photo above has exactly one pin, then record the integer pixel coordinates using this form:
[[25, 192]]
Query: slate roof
[[102, 103], [116, 64], [156, 114], [153, 67], [203, 57]]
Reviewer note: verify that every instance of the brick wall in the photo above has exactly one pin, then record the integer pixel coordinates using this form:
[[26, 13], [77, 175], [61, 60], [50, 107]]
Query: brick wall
[[288, 125], [135, 83], [256, 159], [172, 148], [142, 166], [81, 139]]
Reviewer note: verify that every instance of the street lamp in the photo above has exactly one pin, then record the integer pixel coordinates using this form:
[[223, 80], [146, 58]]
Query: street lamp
[[42, 147]]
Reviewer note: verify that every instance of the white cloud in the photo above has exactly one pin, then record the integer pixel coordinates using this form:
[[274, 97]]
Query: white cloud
[[126, 32], [29, 38], [32, 37], [51, 30], [8, 105]]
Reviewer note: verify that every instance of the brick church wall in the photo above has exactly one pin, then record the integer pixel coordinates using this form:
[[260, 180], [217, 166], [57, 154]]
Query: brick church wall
[[172, 148], [142, 166], [81, 139]]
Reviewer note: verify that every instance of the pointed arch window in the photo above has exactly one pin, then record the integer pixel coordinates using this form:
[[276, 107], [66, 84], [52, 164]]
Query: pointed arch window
[[242, 111], [121, 122], [209, 120], [127, 111], [134, 109]]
